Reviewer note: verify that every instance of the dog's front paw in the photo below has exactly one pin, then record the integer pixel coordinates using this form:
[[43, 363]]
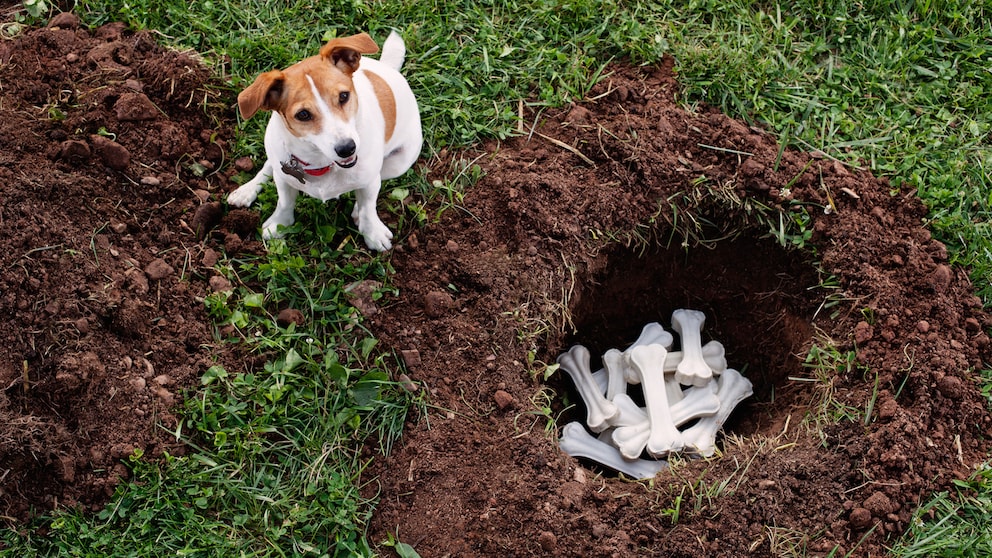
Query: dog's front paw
[[378, 237], [270, 229], [244, 196]]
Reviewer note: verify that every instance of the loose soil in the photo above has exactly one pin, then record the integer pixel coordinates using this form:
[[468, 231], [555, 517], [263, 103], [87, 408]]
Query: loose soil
[[607, 215]]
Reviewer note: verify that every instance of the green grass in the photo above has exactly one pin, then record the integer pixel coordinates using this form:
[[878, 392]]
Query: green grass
[[953, 524], [903, 88]]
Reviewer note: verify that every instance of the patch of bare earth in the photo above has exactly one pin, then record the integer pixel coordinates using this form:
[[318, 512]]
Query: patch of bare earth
[[111, 172], [109, 149], [480, 476]]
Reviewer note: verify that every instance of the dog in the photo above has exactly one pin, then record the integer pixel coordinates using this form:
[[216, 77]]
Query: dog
[[340, 122]]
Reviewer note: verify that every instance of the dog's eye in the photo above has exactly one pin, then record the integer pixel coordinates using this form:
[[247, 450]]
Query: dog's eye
[[343, 97], [303, 115]]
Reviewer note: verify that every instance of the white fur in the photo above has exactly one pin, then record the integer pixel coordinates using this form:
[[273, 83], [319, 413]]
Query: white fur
[[377, 160]]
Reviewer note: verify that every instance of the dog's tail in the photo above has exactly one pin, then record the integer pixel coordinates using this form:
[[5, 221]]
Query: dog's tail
[[393, 51]]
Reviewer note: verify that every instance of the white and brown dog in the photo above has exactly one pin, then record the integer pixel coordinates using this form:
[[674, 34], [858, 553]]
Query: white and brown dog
[[340, 122]]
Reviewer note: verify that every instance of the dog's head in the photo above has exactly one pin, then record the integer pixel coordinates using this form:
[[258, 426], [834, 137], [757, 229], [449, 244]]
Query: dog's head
[[316, 97]]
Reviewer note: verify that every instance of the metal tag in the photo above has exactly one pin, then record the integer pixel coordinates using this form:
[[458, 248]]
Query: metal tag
[[293, 168]]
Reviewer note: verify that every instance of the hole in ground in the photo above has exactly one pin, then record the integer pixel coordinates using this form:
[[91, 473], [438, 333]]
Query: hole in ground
[[759, 300]]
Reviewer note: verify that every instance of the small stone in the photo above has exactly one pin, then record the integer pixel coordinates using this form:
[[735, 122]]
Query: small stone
[[438, 303], [113, 154], [166, 396], [860, 519], [220, 284], [888, 409], [138, 383], [74, 151], [878, 504], [451, 246], [64, 20], [548, 541], [135, 107], [941, 278], [972, 325], [206, 217], [408, 384], [923, 326], [119, 228], [411, 357], [210, 258], [151, 180], [951, 387], [244, 164], [503, 399], [579, 475], [71, 57], [765, 484], [162, 379], [290, 316], [158, 269], [82, 325], [862, 332]]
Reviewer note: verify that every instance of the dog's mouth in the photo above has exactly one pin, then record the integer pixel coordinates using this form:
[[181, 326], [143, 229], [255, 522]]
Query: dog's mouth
[[348, 163]]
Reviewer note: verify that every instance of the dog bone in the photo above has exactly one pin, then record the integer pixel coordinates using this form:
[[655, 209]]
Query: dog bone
[[732, 388], [616, 373], [576, 442], [630, 414], [631, 435], [692, 369], [649, 361], [713, 354], [653, 334], [599, 410]]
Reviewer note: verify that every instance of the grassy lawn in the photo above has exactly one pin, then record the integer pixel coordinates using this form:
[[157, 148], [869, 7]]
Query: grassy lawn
[[904, 87]]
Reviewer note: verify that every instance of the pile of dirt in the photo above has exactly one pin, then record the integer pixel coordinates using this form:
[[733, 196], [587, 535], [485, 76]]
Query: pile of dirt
[[535, 260], [112, 144], [573, 235]]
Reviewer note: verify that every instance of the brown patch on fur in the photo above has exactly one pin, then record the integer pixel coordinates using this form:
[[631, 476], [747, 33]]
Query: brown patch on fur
[[387, 102]]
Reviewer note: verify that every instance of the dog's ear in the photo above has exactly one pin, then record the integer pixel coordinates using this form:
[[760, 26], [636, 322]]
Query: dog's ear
[[264, 94], [346, 52]]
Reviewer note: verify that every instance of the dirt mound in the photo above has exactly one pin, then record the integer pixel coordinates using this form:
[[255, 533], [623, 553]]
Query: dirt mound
[[538, 248], [109, 151]]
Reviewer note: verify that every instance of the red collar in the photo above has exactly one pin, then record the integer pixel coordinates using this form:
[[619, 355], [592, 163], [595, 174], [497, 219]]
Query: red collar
[[312, 172]]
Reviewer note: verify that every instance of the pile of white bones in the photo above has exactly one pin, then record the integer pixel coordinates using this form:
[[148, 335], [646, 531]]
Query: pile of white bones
[[688, 395]]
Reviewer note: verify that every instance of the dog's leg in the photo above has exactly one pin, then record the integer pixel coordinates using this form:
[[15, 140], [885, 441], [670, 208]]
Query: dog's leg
[[377, 235], [284, 214], [246, 193]]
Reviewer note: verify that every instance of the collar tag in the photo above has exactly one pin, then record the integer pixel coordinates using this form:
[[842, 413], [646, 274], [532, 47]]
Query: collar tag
[[293, 168]]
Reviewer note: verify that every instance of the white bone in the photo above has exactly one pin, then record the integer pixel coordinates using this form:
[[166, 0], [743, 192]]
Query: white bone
[[630, 413], [713, 353], [576, 442], [631, 439], [616, 376], [692, 369], [653, 334], [602, 380], [732, 388], [599, 410], [673, 389], [649, 361]]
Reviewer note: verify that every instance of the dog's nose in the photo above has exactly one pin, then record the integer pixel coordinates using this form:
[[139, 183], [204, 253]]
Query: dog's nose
[[345, 148]]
